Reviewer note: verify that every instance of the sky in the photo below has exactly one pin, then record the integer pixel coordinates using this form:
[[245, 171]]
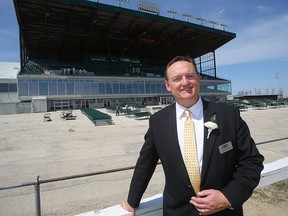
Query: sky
[[256, 61]]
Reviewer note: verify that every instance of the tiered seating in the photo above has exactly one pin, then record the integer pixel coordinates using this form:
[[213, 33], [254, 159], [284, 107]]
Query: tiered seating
[[97, 117], [31, 68]]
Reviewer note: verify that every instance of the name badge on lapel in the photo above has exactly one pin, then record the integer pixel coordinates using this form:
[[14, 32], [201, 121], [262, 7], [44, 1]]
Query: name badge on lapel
[[225, 147]]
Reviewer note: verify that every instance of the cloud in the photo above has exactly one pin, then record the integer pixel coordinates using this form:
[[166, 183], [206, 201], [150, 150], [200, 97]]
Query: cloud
[[262, 9], [263, 39]]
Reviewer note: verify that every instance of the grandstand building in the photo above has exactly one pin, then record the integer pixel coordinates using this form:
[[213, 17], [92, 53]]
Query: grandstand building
[[83, 54]]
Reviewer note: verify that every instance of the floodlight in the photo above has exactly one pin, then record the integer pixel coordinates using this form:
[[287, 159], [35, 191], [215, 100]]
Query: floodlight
[[188, 16], [224, 25], [174, 13], [148, 6], [119, 2]]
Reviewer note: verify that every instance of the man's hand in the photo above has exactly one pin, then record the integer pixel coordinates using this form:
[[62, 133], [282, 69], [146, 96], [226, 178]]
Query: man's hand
[[209, 202], [127, 207]]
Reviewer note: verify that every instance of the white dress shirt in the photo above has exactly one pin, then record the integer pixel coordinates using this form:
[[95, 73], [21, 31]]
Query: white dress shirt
[[197, 118]]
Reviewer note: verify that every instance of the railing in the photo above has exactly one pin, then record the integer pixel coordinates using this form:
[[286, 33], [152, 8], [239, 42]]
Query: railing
[[38, 182], [273, 172]]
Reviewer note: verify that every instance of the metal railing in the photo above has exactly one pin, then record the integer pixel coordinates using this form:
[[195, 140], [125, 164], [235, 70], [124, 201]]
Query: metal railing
[[153, 206], [38, 181]]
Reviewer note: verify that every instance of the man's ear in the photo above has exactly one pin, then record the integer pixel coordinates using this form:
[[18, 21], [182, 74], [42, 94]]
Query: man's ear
[[167, 85]]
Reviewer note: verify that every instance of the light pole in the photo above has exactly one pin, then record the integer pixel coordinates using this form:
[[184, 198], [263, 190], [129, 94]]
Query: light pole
[[277, 82]]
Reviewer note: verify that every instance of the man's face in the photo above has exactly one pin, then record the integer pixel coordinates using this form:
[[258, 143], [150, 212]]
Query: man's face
[[183, 82]]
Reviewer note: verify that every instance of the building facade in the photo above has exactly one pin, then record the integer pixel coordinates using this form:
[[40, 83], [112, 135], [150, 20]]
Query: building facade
[[70, 88]]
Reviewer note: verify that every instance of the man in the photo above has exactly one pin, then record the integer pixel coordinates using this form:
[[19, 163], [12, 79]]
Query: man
[[117, 110], [229, 162]]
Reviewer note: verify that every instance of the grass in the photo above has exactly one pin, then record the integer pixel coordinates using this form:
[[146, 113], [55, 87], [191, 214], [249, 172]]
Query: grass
[[275, 193]]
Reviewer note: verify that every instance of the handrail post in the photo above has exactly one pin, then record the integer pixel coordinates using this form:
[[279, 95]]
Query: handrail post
[[37, 197]]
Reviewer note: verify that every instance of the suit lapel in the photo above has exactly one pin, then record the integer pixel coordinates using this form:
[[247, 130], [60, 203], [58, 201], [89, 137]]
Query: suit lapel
[[172, 135], [208, 143]]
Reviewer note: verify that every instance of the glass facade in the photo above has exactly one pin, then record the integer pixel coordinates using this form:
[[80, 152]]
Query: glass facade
[[206, 64], [215, 87], [92, 87], [80, 87], [73, 91]]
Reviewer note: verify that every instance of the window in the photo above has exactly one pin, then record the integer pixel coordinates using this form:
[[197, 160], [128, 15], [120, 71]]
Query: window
[[122, 88], [70, 88], [141, 87], [78, 88], [108, 86], [52, 88], [43, 88], [3, 87], [94, 88], [12, 87], [23, 89], [129, 88], [33, 89], [61, 88], [147, 87], [115, 88], [101, 88], [86, 88], [135, 88]]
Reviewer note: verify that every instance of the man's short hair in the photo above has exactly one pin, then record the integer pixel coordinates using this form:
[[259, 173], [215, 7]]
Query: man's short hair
[[177, 59]]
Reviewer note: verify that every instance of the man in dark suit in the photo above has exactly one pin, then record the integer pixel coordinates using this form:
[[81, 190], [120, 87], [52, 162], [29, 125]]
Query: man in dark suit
[[229, 162]]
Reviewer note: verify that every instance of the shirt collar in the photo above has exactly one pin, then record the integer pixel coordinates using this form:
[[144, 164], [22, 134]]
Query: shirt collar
[[196, 109]]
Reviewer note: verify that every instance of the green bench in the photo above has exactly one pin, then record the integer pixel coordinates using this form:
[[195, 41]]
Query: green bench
[[97, 117], [142, 115]]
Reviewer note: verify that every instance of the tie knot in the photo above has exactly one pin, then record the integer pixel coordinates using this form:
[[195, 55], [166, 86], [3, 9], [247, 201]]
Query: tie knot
[[187, 113]]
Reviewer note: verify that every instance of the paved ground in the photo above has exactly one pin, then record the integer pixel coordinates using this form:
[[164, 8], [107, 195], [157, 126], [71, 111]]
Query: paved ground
[[30, 147]]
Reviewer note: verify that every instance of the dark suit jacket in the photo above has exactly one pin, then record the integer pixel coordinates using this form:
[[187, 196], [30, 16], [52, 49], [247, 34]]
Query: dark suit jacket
[[236, 172]]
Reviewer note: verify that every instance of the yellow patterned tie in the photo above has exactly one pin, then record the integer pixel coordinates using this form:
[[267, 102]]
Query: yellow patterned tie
[[190, 153]]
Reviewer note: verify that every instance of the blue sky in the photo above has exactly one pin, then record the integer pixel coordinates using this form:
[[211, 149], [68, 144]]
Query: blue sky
[[252, 61]]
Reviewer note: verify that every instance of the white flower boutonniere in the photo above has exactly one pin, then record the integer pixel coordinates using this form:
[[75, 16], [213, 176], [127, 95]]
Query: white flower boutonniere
[[211, 125]]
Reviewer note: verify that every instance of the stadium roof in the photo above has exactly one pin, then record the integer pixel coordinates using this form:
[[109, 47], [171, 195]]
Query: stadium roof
[[65, 30]]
